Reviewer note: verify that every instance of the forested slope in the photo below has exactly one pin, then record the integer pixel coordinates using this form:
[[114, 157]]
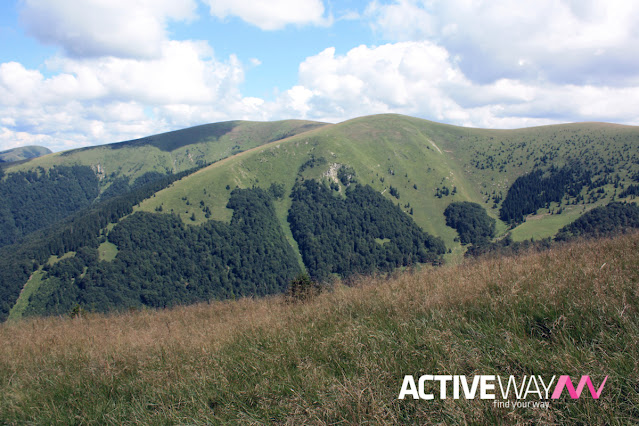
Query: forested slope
[[556, 172], [170, 152], [161, 262], [82, 229], [362, 233], [35, 199], [358, 197]]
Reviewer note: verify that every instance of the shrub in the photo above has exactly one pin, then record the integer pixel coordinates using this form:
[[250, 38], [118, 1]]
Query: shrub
[[77, 311], [302, 289]]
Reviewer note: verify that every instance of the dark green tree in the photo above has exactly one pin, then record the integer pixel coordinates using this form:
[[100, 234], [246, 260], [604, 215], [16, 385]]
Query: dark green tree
[[471, 221]]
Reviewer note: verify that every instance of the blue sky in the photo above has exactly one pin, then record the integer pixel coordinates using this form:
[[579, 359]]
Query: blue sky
[[84, 72]]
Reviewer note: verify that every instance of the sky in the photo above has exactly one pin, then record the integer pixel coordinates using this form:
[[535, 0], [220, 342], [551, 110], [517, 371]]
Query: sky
[[77, 73]]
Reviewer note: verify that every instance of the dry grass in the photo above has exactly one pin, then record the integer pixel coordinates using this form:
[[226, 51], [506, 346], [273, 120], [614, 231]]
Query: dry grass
[[341, 357]]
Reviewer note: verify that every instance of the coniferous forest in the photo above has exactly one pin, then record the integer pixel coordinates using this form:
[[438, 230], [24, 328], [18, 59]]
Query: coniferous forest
[[82, 229], [163, 262], [602, 221]]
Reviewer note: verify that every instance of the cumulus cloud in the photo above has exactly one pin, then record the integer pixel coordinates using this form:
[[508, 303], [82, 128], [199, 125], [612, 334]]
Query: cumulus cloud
[[563, 41], [185, 72], [10, 139], [499, 64], [271, 15], [407, 77], [99, 100], [423, 79], [92, 28]]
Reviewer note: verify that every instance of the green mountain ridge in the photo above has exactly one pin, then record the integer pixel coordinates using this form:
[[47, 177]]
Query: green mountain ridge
[[171, 152], [23, 153], [415, 166], [423, 160], [41, 187]]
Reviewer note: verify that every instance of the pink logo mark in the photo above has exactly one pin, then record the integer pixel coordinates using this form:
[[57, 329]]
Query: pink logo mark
[[564, 381]]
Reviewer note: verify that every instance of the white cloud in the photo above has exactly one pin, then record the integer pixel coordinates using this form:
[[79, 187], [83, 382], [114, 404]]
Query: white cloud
[[180, 74], [100, 100], [17, 84], [563, 41], [184, 73], [271, 15], [421, 79], [294, 103], [404, 77], [499, 64], [404, 20], [92, 28], [10, 139]]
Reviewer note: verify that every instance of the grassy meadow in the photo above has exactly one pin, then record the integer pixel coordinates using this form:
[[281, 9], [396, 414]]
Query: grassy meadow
[[341, 357]]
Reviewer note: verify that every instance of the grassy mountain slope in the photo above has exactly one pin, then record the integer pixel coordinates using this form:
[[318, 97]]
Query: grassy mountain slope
[[420, 159], [341, 358], [173, 151], [33, 196], [420, 165], [23, 153], [381, 149]]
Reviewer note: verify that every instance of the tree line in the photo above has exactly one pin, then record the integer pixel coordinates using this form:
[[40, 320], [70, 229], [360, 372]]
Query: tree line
[[602, 221], [611, 219]]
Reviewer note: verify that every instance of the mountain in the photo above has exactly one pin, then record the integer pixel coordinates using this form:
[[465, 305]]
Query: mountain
[[171, 152], [239, 208], [42, 191], [429, 165], [23, 153]]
